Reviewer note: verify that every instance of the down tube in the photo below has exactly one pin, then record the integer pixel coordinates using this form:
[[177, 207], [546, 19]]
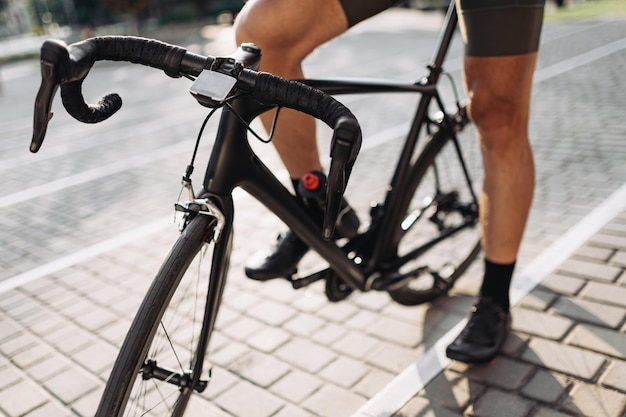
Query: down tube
[[272, 194], [386, 246]]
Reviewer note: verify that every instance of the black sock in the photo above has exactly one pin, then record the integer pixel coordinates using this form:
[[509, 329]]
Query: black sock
[[497, 282]]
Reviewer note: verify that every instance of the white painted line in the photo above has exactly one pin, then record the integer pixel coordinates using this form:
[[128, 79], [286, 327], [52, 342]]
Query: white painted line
[[93, 174], [95, 250], [82, 255], [415, 377], [579, 60]]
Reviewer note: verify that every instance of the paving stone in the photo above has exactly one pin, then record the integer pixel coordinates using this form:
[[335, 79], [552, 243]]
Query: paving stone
[[590, 312], [605, 293], [392, 358], [538, 299], [22, 397], [271, 312], [242, 300], [452, 390], [96, 357], [305, 355], [609, 241], [591, 400], [344, 372], [355, 344], [258, 402], [563, 284], [45, 323], [565, 359], [18, 343], [496, 403], [330, 401], [7, 330], [87, 404], [9, 375], [514, 344], [31, 355], [593, 253], [303, 324], [373, 382], [243, 328], [598, 339], [228, 352], [503, 373], [292, 411], [422, 407], [540, 324], [296, 386], [221, 380], [329, 334], [614, 376], [69, 338], [49, 367], [268, 339], [619, 259], [591, 270], [373, 300], [547, 412], [362, 320], [310, 303], [547, 387], [397, 331], [259, 368], [337, 312], [50, 409], [71, 384]]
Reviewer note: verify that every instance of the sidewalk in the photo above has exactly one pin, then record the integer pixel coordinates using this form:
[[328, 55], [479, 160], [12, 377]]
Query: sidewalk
[[567, 352], [85, 222]]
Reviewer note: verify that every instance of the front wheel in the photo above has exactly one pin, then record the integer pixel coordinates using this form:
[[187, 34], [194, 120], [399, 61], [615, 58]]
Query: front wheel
[[438, 237], [160, 365]]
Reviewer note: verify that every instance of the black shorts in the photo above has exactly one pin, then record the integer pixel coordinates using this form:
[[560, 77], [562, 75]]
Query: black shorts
[[488, 27]]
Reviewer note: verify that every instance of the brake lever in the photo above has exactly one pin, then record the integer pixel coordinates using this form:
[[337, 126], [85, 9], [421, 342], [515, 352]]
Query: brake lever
[[345, 147], [54, 58]]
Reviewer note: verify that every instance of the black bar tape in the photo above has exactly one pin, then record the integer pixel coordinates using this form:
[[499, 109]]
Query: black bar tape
[[270, 89], [142, 51], [74, 103]]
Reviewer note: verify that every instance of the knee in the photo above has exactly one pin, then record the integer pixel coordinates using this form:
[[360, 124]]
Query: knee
[[259, 22], [499, 118]]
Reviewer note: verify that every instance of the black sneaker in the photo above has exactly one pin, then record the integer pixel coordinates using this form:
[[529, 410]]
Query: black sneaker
[[483, 335], [282, 261]]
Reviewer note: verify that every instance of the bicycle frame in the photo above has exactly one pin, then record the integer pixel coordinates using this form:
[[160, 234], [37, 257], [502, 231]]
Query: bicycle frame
[[233, 163]]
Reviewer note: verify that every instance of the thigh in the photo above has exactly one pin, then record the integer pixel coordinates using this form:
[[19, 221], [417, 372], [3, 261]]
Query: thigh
[[294, 27]]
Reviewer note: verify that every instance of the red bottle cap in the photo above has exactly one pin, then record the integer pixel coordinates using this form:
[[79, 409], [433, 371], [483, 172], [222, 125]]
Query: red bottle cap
[[310, 181]]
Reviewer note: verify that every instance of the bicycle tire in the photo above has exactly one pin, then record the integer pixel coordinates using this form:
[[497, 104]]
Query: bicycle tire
[[173, 283], [436, 201]]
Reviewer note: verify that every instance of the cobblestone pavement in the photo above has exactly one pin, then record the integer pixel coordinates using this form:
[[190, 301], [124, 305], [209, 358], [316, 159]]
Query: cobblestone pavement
[[84, 223]]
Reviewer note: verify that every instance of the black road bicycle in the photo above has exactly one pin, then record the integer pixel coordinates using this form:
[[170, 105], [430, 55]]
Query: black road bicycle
[[419, 239]]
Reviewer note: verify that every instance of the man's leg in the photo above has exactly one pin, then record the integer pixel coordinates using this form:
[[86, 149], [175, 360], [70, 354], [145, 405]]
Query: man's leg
[[499, 91], [287, 31]]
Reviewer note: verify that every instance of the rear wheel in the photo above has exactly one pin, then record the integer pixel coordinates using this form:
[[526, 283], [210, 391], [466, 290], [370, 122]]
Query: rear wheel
[[438, 237], [160, 365]]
